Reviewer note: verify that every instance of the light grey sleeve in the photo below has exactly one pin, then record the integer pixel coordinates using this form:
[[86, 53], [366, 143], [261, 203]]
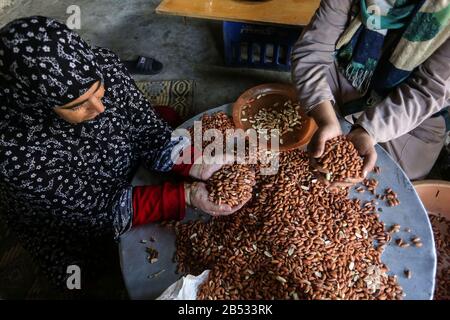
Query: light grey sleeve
[[424, 93], [314, 52]]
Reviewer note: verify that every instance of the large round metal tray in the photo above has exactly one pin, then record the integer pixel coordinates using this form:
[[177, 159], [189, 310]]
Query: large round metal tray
[[139, 274]]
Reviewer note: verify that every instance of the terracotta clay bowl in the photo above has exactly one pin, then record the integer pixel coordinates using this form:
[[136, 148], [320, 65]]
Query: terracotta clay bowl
[[266, 96]]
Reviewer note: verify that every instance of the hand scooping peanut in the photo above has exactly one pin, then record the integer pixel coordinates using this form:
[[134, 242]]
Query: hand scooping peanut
[[340, 164]]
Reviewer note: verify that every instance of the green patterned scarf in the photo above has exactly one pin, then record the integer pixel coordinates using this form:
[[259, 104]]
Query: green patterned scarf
[[423, 26]]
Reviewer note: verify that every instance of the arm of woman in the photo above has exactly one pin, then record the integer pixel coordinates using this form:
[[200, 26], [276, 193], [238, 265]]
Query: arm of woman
[[158, 203], [154, 140], [314, 53], [150, 135], [311, 58], [424, 93], [169, 202]]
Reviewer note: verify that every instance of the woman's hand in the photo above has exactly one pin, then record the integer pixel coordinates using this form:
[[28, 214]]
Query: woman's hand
[[365, 145], [203, 170], [328, 128], [197, 197]]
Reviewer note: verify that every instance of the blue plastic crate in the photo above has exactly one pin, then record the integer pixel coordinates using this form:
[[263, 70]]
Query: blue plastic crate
[[259, 46]]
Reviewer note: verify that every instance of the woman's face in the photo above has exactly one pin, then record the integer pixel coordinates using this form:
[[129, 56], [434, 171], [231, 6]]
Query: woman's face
[[86, 107]]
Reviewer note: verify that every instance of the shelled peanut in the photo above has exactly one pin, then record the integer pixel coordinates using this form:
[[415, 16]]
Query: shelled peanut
[[285, 119], [441, 230], [219, 121], [391, 197], [340, 160]]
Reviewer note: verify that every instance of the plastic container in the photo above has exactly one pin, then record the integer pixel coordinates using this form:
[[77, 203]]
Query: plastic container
[[259, 46]]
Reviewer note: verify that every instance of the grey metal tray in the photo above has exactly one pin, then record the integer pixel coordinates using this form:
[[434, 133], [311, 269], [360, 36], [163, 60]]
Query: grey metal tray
[[137, 271]]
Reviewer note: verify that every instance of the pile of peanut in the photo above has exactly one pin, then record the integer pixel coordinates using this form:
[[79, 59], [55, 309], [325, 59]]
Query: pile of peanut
[[441, 230], [293, 240], [231, 185], [219, 121], [341, 160]]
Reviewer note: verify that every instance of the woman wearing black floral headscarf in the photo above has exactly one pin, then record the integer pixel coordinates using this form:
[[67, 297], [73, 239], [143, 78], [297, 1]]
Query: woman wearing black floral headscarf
[[73, 128]]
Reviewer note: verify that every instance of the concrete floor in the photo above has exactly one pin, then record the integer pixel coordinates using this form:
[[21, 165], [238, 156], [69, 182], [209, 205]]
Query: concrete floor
[[190, 49]]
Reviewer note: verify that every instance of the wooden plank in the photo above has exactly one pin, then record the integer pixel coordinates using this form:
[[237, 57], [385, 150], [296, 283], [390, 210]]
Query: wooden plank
[[285, 12]]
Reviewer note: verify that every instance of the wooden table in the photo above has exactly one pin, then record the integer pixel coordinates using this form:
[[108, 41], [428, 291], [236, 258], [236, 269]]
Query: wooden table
[[284, 12]]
